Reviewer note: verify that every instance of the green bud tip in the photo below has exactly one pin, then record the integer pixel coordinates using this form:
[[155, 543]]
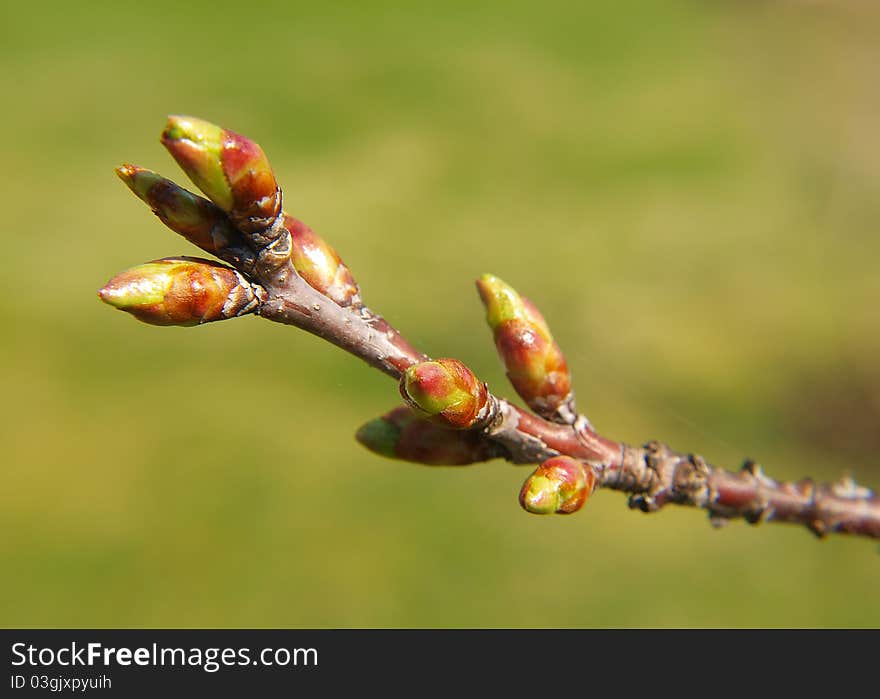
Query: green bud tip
[[139, 180], [503, 304], [560, 485], [197, 146], [144, 285], [380, 436]]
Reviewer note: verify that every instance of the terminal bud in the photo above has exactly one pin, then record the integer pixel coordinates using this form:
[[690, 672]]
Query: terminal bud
[[181, 291], [231, 170]]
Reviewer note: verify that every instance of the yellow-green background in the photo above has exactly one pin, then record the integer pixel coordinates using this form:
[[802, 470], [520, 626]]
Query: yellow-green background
[[689, 190]]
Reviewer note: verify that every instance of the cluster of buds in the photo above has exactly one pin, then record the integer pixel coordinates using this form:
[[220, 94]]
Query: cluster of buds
[[240, 219], [240, 216], [455, 405]]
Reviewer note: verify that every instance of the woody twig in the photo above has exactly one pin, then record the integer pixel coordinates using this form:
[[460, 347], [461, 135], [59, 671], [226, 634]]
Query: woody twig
[[280, 269]]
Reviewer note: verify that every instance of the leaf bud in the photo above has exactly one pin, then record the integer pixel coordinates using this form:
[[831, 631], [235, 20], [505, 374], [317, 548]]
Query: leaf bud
[[409, 436], [319, 264], [195, 218], [560, 485], [181, 291], [231, 170], [535, 364], [448, 391]]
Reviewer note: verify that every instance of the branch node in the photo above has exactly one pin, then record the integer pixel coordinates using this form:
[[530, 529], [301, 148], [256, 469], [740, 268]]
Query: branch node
[[690, 481], [273, 252], [757, 513], [847, 488], [567, 414], [753, 468], [644, 502]]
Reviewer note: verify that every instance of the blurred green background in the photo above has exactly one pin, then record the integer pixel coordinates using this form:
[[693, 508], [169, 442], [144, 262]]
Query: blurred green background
[[689, 190]]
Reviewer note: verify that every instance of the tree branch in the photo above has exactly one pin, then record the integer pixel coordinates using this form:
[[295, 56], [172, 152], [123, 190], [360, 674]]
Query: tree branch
[[291, 276]]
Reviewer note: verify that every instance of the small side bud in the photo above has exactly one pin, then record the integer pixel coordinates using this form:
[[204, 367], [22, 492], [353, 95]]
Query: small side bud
[[403, 434], [560, 485], [535, 365], [320, 265], [448, 391], [230, 169], [195, 218], [181, 291]]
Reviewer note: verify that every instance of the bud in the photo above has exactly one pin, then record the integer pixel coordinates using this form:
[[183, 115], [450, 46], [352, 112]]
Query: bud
[[535, 365], [448, 391], [195, 218], [231, 170], [181, 291], [320, 265], [403, 434], [560, 485]]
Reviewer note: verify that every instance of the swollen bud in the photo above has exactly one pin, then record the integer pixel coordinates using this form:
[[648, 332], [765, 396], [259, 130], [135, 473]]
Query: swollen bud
[[560, 485], [230, 169], [535, 365], [181, 291], [320, 265], [406, 435], [195, 218], [448, 391]]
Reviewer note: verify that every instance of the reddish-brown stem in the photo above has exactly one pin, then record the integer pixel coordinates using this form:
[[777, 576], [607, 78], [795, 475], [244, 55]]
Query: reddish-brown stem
[[653, 475], [290, 300]]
